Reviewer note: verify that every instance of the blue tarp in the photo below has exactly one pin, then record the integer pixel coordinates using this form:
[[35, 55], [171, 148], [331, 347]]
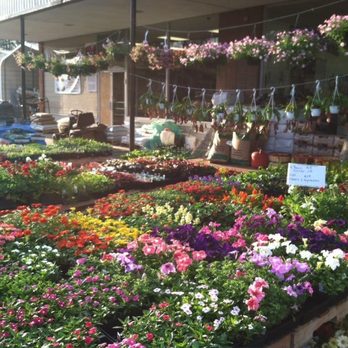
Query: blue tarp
[[18, 131]]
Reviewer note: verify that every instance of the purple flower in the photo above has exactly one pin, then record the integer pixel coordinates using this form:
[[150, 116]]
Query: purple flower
[[301, 267], [81, 261], [168, 268], [259, 260], [128, 262]]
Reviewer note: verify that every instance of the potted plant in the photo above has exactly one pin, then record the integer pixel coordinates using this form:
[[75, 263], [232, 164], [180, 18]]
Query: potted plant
[[57, 67], [334, 105], [147, 103], [291, 111], [218, 113], [313, 106], [270, 113]]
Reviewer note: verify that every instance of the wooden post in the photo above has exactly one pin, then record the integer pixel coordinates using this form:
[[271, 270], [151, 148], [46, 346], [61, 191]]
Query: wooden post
[[131, 78], [23, 82]]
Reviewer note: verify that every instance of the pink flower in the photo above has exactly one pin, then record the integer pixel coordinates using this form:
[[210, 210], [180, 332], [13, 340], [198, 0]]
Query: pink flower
[[260, 283], [149, 250], [256, 292], [183, 266], [253, 304], [88, 340], [199, 255], [81, 261], [168, 268], [132, 246]]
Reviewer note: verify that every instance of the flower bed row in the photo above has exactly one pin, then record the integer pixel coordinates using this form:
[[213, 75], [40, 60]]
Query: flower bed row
[[68, 148], [52, 182], [205, 263]]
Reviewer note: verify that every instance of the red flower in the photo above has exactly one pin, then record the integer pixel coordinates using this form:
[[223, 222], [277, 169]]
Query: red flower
[[209, 327], [92, 331], [150, 336], [89, 340]]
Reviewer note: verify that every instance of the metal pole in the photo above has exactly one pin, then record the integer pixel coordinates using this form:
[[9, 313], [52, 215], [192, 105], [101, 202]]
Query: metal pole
[[131, 78], [42, 96], [167, 80], [23, 82]]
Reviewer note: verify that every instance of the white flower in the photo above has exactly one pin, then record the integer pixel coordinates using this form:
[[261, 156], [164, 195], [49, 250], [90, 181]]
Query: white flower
[[227, 301], [199, 296], [291, 249], [213, 292], [235, 310], [218, 322], [178, 293], [276, 237], [305, 254], [186, 308], [28, 159], [291, 189], [156, 290], [319, 224], [214, 298], [206, 310], [199, 318], [339, 253], [332, 262], [342, 341]]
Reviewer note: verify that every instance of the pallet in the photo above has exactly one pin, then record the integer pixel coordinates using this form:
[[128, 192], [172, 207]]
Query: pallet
[[304, 333]]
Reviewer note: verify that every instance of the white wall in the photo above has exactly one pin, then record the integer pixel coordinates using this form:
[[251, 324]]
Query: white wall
[[62, 104]]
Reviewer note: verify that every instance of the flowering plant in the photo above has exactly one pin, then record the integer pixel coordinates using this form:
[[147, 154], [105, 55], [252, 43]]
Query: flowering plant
[[336, 29], [208, 52], [298, 47], [257, 48]]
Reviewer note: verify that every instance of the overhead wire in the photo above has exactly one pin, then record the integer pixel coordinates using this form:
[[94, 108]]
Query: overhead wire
[[313, 82], [251, 24]]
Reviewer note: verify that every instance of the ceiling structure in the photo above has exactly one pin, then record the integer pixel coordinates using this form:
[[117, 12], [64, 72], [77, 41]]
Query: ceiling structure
[[83, 17]]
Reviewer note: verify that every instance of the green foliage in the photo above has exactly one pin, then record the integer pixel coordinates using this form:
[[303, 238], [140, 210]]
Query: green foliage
[[162, 153], [314, 205], [60, 149], [271, 181]]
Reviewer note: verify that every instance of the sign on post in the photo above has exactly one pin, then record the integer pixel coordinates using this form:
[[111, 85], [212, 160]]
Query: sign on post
[[306, 175]]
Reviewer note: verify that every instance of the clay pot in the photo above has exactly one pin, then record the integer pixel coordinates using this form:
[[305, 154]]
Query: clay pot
[[259, 159]]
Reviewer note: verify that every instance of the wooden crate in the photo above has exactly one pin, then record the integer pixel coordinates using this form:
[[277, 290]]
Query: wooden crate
[[304, 333]]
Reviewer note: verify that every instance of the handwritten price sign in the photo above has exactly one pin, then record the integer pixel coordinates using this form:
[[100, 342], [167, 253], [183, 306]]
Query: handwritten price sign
[[306, 175]]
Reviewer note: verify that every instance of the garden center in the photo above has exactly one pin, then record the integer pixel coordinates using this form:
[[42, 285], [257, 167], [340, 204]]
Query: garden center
[[174, 174]]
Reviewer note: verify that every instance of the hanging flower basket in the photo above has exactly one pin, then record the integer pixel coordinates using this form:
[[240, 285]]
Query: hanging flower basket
[[298, 47], [336, 29]]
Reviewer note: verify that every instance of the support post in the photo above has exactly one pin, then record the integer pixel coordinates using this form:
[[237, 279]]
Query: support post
[[131, 78], [23, 82], [167, 77], [42, 96]]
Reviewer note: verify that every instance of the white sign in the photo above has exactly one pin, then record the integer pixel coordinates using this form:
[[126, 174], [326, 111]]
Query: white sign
[[306, 175], [65, 84]]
